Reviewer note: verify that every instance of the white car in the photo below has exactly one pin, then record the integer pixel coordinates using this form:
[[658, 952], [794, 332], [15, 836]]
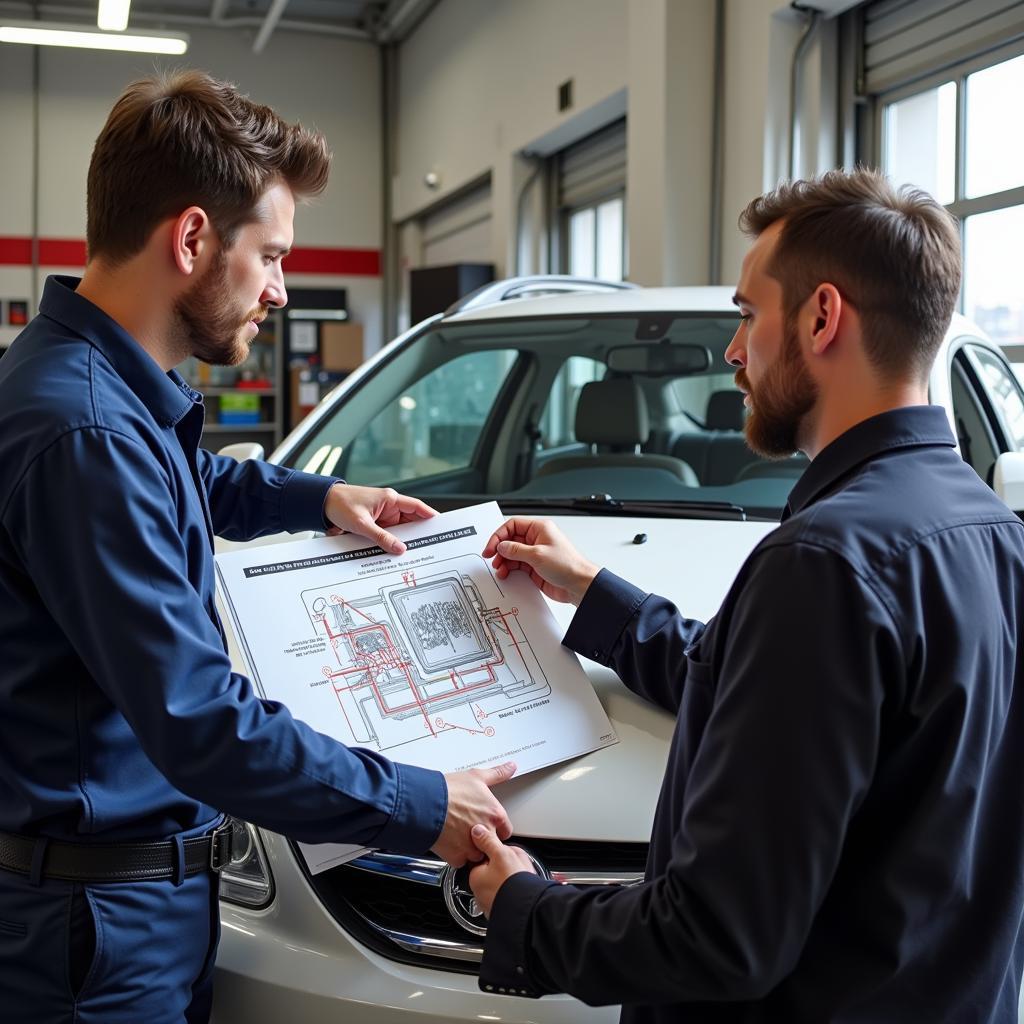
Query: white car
[[611, 410]]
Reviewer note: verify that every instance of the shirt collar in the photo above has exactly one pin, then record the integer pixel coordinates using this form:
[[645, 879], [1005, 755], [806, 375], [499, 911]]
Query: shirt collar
[[166, 395], [910, 427]]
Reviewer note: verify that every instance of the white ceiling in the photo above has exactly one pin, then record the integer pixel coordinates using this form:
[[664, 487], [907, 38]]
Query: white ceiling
[[377, 20]]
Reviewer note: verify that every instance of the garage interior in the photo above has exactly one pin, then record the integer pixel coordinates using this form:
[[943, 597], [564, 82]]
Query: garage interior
[[477, 141]]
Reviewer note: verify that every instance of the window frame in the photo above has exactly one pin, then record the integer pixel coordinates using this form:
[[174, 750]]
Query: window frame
[[566, 213], [961, 207]]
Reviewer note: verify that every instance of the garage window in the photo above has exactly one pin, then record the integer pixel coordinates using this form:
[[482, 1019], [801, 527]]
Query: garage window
[[944, 78], [949, 135], [590, 199]]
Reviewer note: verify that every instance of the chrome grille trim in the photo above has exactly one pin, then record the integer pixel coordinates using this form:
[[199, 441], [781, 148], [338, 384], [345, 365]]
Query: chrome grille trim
[[427, 871]]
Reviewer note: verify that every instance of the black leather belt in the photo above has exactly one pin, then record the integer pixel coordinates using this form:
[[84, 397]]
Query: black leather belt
[[39, 857]]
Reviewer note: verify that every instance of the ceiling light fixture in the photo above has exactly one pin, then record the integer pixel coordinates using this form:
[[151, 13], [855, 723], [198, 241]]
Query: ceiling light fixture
[[40, 33], [112, 15]]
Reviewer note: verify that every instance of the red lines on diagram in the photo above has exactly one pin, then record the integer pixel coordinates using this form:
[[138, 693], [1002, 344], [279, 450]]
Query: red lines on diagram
[[424, 657]]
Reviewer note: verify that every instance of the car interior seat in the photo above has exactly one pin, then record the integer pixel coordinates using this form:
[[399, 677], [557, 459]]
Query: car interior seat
[[719, 451], [612, 413], [725, 410]]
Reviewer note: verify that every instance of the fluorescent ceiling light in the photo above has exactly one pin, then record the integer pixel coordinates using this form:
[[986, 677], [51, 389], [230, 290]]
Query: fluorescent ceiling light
[[40, 33], [112, 15]]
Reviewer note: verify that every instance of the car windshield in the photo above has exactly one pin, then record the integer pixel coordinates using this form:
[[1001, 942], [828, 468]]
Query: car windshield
[[547, 411]]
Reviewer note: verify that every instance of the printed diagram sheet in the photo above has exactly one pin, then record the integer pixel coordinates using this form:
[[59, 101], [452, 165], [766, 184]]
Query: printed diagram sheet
[[425, 657]]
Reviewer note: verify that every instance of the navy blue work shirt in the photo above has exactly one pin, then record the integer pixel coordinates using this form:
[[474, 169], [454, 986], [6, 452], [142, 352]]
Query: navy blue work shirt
[[839, 835], [120, 715]]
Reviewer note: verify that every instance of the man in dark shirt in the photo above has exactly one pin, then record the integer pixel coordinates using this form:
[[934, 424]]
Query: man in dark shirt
[[124, 732], [839, 834]]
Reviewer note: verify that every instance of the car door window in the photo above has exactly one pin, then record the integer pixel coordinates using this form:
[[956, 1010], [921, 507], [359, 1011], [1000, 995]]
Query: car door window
[[1003, 390], [978, 444], [434, 425]]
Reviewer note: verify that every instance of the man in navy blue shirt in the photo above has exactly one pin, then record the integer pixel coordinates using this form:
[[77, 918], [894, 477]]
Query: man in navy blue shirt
[[839, 834], [124, 733]]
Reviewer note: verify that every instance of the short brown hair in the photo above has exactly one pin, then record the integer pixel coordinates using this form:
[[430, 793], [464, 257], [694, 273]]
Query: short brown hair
[[894, 255], [182, 139]]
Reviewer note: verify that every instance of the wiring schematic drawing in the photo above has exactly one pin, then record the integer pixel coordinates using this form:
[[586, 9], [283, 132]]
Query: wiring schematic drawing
[[417, 657]]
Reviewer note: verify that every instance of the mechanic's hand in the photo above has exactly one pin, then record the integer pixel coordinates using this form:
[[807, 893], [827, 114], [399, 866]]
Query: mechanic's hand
[[540, 549], [502, 861], [470, 801], [367, 510]]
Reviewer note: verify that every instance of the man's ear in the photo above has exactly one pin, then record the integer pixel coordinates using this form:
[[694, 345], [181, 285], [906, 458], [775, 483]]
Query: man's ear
[[191, 236], [823, 311]]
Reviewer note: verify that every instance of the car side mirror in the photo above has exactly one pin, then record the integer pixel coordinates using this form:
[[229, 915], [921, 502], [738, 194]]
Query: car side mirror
[[1008, 479], [243, 450]]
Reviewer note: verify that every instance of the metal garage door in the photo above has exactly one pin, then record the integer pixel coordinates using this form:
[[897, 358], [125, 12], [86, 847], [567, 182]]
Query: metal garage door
[[908, 39], [459, 231]]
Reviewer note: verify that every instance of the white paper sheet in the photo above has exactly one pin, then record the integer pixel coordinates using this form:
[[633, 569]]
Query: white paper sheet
[[426, 657]]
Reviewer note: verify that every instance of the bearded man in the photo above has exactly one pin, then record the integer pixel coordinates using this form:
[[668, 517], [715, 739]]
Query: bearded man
[[124, 733], [839, 835]]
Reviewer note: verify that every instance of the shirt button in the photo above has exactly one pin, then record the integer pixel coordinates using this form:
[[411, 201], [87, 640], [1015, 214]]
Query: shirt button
[[490, 988], [520, 970]]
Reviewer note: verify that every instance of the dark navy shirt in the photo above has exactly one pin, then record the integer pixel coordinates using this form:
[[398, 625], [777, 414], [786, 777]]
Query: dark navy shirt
[[840, 832], [120, 715]]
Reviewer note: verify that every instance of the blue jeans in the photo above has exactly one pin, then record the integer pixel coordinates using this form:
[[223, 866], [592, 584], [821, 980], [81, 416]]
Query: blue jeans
[[111, 953]]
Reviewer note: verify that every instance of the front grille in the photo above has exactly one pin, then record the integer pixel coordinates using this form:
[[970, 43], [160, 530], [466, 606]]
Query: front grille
[[395, 905]]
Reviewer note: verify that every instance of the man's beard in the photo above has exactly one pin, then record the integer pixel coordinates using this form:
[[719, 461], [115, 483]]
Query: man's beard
[[208, 326], [780, 401]]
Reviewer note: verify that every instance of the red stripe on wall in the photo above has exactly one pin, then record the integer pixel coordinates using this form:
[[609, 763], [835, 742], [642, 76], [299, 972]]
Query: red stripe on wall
[[15, 252], [345, 262], [70, 252], [61, 252]]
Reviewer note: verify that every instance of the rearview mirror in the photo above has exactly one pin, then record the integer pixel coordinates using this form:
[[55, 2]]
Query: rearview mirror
[[661, 360], [1008, 479]]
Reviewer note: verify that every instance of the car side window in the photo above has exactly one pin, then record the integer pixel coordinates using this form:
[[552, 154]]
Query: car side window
[[1003, 390], [558, 422], [434, 425], [978, 444]]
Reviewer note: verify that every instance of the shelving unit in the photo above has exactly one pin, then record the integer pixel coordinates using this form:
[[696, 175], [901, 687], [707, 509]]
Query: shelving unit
[[217, 383]]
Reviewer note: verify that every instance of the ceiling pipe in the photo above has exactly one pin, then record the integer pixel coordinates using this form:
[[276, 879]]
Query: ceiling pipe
[[269, 24], [218, 9]]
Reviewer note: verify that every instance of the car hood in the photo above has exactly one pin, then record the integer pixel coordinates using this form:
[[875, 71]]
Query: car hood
[[611, 794]]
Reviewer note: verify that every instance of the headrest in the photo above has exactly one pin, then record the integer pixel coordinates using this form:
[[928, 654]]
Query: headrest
[[725, 411], [612, 412]]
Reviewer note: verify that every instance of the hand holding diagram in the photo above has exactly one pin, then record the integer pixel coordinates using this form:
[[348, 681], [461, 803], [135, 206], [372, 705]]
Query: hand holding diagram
[[544, 553], [366, 511], [471, 801]]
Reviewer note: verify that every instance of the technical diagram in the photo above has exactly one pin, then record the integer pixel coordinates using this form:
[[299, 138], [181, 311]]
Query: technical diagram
[[425, 656], [419, 656]]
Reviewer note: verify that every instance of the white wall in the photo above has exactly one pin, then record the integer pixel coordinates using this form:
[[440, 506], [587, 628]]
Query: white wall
[[478, 82], [477, 85], [327, 83]]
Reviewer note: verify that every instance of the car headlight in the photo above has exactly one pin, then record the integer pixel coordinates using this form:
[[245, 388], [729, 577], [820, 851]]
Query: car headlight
[[246, 878]]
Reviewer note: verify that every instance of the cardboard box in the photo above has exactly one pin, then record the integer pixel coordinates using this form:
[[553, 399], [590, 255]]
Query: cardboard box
[[341, 346]]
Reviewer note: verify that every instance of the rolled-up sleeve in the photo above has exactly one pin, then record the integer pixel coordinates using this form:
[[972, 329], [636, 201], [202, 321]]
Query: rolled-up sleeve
[[120, 592]]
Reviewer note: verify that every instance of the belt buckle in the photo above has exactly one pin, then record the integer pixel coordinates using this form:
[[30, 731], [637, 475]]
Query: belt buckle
[[220, 846]]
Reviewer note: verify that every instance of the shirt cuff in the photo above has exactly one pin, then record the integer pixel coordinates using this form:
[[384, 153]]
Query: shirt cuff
[[421, 804], [505, 968], [608, 606], [302, 501]]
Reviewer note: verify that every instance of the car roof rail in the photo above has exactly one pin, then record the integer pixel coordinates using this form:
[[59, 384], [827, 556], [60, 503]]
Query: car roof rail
[[535, 284]]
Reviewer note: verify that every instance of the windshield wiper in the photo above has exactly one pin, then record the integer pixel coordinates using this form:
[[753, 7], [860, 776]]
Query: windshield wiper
[[605, 504]]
